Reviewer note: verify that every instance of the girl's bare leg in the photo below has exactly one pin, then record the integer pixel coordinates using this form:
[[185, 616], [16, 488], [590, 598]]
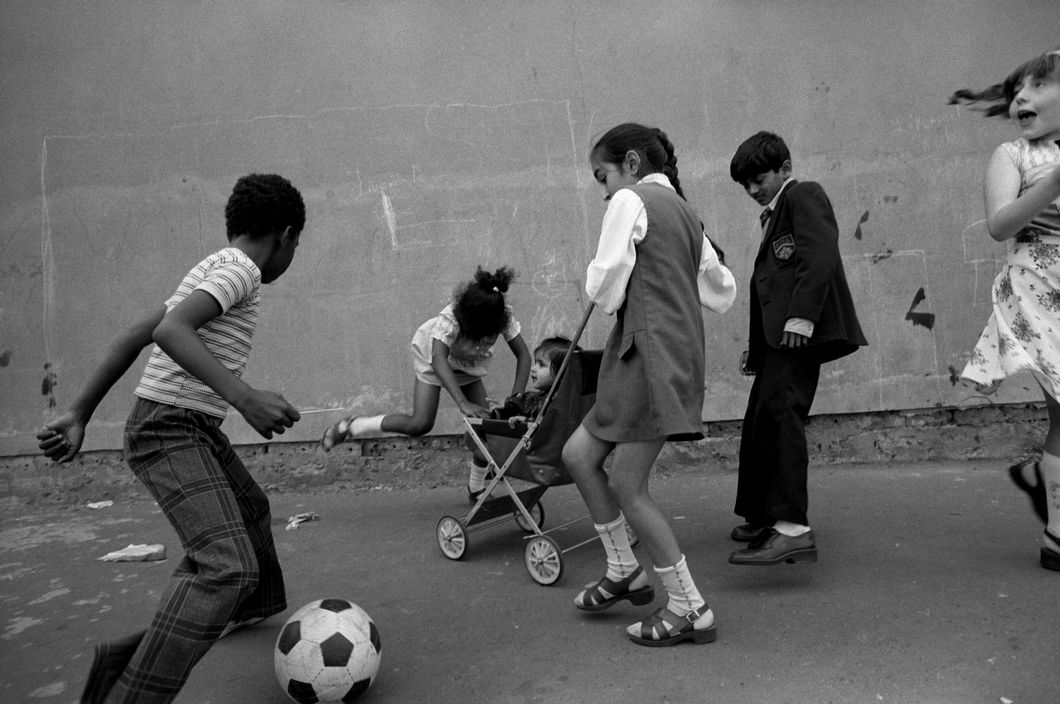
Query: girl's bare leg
[[424, 410], [476, 393], [1052, 436], [1049, 469], [624, 491], [630, 471], [478, 471], [584, 456]]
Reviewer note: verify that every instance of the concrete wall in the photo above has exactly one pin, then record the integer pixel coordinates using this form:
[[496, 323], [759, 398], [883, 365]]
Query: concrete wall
[[998, 433], [428, 137]]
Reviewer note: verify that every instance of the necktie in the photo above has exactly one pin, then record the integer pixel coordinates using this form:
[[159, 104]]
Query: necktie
[[764, 217]]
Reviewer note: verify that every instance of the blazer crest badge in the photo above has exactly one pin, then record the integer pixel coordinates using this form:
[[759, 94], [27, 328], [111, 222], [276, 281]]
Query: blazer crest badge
[[784, 247]]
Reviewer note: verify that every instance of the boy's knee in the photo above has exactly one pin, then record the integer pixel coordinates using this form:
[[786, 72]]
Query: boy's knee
[[255, 505], [780, 404], [234, 568], [245, 577]]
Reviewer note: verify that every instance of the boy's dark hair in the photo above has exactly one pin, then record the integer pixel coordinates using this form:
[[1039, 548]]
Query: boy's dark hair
[[760, 153], [553, 349], [651, 143], [261, 204], [479, 305], [999, 97]]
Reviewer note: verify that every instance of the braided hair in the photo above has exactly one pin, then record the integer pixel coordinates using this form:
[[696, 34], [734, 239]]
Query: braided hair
[[655, 149], [479, 305]]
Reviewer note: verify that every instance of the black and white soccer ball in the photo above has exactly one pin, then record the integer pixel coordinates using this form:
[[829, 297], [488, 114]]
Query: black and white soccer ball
[[328, 651]]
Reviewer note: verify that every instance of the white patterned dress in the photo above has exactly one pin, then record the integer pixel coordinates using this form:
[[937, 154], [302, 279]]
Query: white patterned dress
[[1023, 333]]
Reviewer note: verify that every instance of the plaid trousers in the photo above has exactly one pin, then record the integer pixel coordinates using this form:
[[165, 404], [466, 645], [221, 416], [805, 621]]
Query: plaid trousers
[[230, 570]]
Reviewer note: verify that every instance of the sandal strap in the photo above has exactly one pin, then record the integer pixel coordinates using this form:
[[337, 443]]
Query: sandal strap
[[606, 588], [680, 623]]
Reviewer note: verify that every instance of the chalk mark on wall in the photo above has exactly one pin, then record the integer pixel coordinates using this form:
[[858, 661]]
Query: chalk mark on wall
[[551, 281], [978, 229], [390, 213], [390, 216]]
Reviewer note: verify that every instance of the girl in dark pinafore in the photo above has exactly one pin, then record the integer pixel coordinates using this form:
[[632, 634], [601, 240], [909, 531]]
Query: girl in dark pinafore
[[654, 268]]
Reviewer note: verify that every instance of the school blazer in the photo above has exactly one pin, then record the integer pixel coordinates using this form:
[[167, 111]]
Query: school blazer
[[798, 273]]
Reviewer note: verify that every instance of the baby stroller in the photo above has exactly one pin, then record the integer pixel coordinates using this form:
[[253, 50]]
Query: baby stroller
[[530, 450]]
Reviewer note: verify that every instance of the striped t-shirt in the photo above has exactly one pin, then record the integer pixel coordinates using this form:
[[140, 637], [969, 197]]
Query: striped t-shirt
[[234, 280]]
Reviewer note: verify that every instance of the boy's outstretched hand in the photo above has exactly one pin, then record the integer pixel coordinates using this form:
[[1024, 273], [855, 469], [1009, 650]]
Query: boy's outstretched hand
[[61, 438], [267, 412]]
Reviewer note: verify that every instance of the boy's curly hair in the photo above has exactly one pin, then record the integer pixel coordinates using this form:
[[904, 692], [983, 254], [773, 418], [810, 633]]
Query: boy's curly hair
[[261, 204], [479, 305]]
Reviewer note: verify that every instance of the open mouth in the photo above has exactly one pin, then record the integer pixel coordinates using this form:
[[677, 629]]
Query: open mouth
[[1023, 115]]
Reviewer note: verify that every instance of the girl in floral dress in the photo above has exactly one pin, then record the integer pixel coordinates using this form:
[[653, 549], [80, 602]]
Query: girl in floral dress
[[1022, 196]]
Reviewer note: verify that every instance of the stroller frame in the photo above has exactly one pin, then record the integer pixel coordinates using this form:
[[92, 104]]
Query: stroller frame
[[542, 556]]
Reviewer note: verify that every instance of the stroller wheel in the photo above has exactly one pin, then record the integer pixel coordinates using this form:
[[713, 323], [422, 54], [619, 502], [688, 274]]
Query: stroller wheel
[[544, 560], [452, 538], [537, 512]]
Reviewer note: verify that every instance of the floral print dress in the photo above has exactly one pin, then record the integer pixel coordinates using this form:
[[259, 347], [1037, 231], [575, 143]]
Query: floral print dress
[[1023, 333]]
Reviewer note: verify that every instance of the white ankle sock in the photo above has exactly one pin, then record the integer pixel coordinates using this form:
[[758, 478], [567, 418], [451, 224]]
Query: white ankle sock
[[363, 426], [1049, 466], [684, 597], [476, 481], [621, 562], [792, 530], [677, 581]]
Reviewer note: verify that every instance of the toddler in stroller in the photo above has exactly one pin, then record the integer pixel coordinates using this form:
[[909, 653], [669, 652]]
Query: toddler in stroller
[[524, 440], [521, 407]]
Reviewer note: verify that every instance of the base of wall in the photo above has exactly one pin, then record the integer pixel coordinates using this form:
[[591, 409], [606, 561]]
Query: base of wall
[[989, 432]]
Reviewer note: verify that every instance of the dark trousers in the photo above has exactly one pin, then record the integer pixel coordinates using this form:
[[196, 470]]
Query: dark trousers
[[773, 454], [229, 572]]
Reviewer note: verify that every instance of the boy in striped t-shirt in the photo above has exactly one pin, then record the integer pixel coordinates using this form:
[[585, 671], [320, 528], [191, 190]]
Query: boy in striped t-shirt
[[230, 574]]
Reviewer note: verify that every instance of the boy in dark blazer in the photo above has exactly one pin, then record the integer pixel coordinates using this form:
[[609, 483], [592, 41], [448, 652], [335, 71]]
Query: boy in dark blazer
[[802, 316]]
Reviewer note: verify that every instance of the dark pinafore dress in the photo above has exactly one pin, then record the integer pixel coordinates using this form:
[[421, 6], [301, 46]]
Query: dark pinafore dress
[[651, 377]]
